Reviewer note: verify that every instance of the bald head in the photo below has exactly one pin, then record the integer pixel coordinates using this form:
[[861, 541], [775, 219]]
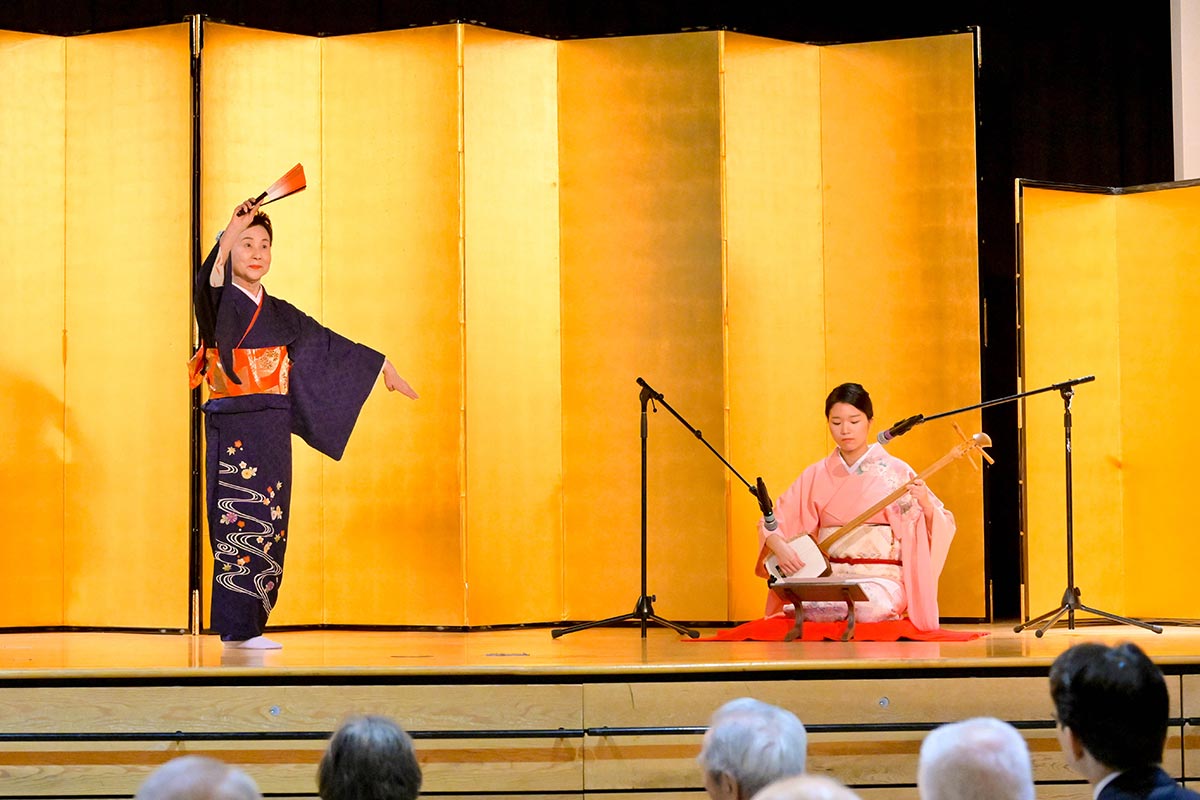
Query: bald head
[[806, 787], [981, 759], [198, 778]]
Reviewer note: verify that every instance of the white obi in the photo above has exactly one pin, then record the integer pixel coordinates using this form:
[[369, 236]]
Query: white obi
[[870, 551]]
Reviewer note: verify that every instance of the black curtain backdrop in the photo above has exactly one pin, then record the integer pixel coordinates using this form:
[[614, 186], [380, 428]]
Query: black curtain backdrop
[[1066, 92]]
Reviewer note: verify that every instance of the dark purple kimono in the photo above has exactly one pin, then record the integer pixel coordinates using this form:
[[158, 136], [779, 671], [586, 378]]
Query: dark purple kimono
[[249, 443]]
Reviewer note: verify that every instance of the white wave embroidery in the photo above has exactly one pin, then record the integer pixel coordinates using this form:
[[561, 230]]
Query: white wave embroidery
[[242, 540]]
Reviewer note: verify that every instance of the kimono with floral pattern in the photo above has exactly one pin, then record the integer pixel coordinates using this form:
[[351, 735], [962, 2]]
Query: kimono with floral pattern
[[290, 375], [899, 554]]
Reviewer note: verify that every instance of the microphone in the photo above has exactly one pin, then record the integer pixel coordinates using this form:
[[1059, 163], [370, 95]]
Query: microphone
[[900, 428], [764, 503]]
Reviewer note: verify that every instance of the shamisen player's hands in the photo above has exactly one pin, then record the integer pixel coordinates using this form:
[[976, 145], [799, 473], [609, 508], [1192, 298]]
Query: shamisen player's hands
[[920, 493], [789, 562], [394, 383]]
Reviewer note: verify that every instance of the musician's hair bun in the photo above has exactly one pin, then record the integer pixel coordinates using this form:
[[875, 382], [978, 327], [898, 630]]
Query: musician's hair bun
[[853, 394]]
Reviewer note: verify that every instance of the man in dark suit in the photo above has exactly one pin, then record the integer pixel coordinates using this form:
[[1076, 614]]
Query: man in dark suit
[[1111, 708]]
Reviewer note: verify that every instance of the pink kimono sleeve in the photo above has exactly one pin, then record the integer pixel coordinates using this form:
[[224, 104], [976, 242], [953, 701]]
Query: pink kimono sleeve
[[923, 554]]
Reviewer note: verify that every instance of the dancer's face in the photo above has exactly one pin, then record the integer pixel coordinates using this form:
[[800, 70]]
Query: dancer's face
[[251, 257]]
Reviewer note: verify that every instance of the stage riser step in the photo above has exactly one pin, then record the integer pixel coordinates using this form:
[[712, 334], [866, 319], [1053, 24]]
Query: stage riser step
[[623, 740]]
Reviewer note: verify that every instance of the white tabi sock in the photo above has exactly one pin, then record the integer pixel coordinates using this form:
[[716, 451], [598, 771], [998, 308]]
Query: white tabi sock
[[257, 643]]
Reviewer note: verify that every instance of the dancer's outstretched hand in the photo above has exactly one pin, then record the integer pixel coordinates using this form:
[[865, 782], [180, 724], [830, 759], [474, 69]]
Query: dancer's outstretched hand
[[394, 383]]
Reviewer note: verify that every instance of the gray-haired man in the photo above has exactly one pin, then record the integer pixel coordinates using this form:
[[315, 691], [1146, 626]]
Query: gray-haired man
[[750, 744]]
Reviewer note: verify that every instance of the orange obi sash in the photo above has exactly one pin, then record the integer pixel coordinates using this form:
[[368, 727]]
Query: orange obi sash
[[262, 370]]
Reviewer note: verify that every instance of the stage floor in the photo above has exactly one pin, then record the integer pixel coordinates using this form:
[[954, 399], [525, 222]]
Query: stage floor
[[532, 651]]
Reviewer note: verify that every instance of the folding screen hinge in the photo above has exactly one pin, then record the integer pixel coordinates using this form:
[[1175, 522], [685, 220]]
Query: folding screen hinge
[[197, 35]]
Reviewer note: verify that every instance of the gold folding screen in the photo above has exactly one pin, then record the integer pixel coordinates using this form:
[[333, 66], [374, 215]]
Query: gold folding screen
[[851, 248], [128, 147], [1158, 236], [775, 283], [260, 113], [901, 260], [1069, 313], [1108, 290], [372, 250], [514, 409], [524, 227], [392, 257], [32, 248], [641, 296], [95, 157]]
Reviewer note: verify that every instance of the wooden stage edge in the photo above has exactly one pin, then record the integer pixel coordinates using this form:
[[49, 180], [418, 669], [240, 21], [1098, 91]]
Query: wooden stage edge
[[533, 652], [597, 713]]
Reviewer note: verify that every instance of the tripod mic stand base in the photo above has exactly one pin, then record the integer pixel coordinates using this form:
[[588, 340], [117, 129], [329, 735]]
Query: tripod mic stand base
[[643, 611], [1071, 604]]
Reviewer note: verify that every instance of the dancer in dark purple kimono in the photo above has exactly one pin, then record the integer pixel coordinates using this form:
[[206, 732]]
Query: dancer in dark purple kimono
[[289, 374]]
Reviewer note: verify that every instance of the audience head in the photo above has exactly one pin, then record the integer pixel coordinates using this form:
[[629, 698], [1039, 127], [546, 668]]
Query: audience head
[[750, 744], [980, 759], [1111, 705], [369, 758], [806, 787], [197, 778]]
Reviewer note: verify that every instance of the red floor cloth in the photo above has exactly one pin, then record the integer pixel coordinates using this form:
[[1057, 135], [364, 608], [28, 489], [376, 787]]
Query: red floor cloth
[[773, 629]]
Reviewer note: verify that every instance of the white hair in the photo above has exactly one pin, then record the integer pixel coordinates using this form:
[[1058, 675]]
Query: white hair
[[806, 787], [198, 778], [755, 743], [980, 758]]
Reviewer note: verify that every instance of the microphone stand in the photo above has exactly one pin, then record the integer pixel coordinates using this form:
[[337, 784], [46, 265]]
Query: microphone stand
[[905, 425], [1071, 597], [643, 609]]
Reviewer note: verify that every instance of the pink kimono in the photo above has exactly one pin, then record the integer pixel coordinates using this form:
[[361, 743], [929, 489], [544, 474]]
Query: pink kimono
[[896, 550]]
